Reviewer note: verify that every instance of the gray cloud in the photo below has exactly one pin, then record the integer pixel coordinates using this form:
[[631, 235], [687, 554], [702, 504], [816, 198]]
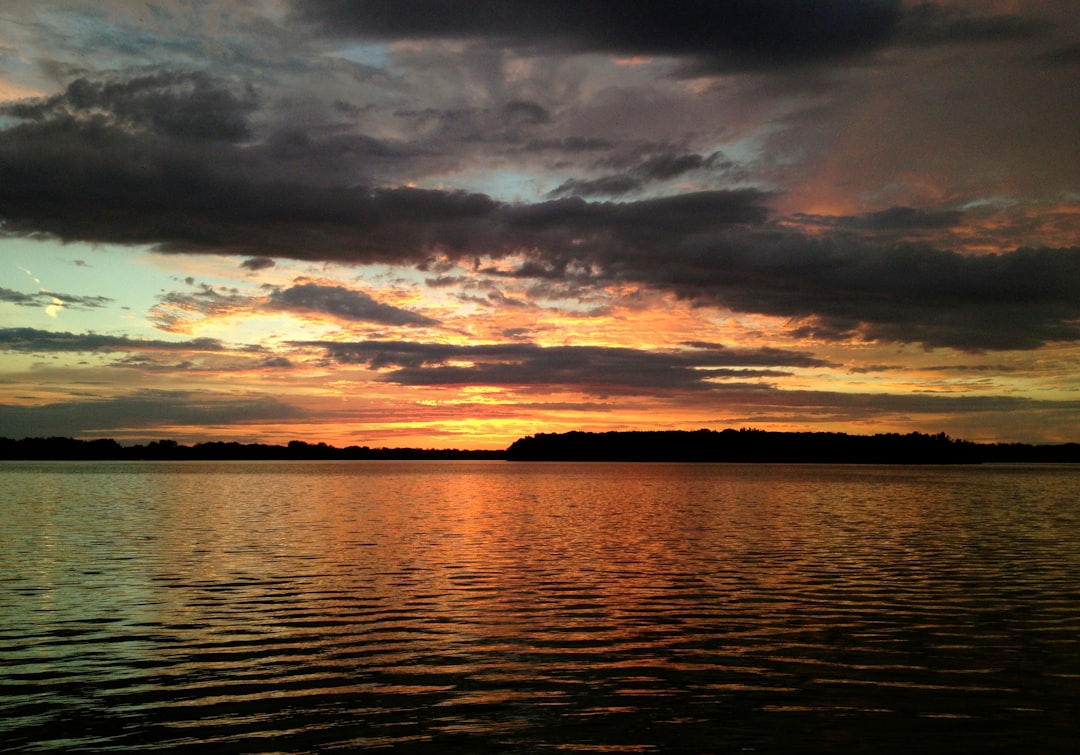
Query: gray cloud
[[94, 183], [605, 186], [849, 287], [344, 303], [716, 36], [592, 369], [642, 167], [770, 405], [1067, 55], [89, 181], [92, 164], [17, 297], [34, 340], [243, 132], [173, 104], [194, 362], [530, 112], [46, 298], [142, 409], [624, 373], [118, 186], [905, 218], [257, 263], [123, 175], [571, 144], [937, 24]]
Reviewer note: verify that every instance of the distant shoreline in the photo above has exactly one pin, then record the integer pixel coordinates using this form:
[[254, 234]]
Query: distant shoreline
[[106, 449], [713, 446], [751, 445]]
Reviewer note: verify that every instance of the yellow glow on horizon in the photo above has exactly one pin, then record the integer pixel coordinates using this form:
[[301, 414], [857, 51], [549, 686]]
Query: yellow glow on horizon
[[10, 91]]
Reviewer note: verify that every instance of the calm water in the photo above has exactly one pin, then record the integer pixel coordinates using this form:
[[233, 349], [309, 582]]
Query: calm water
[[499, 607]]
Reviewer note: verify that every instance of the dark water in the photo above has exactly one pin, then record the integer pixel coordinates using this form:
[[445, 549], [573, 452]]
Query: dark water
[[499, 607]]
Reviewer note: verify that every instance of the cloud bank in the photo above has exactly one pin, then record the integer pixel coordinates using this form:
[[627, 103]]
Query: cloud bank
[[546, 197]]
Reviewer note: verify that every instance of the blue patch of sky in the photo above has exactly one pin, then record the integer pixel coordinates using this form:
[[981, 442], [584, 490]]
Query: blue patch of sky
[[98, 35], [80, 270], [374, 55], [149, 39], [504, 185], [749, 149], [11, 60]]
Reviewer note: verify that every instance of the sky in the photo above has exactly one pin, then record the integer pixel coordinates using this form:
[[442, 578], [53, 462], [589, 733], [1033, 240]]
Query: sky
[[450, 225]]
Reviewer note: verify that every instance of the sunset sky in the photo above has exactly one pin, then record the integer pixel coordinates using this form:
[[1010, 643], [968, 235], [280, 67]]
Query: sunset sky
[[452, 224]]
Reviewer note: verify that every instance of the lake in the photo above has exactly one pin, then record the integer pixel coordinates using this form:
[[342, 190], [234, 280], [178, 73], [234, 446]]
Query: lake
[[480, 607]]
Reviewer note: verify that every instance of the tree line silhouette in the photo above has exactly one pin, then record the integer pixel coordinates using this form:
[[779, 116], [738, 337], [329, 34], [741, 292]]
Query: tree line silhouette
[[745, 445], [751, 445], [106, 449]]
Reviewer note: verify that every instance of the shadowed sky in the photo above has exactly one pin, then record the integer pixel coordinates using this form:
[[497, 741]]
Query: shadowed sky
[[453, 224]]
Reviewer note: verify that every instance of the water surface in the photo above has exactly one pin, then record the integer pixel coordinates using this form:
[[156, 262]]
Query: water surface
[[500, 607]]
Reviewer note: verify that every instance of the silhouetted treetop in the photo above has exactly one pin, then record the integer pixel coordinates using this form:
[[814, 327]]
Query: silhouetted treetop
[[751, 445], [746, 445], [170, 450]]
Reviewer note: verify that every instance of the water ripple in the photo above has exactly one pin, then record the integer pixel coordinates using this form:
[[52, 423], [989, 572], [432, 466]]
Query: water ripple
[[497, 607]]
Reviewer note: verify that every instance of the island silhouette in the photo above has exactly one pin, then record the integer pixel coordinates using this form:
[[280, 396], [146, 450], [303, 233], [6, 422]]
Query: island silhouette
[[744, 445]]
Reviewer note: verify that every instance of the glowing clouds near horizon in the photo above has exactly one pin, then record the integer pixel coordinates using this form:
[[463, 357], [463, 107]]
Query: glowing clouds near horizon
[[364, 223]]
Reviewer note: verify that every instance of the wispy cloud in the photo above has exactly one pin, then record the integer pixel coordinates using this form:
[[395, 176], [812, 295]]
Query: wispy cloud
[[143, 410], [343, 303], [34, 340], [592, 369], [46, 299]]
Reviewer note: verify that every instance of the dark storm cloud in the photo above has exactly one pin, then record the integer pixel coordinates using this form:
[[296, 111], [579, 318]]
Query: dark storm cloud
[[143, 409], [937, 24], [714, 35], [344, 303], [109, 172], [588, 368], [849, 288], [100, 163], [842, 285], [180, 105], [87, 180], [91, 179], [641, 223], [34, 340]]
